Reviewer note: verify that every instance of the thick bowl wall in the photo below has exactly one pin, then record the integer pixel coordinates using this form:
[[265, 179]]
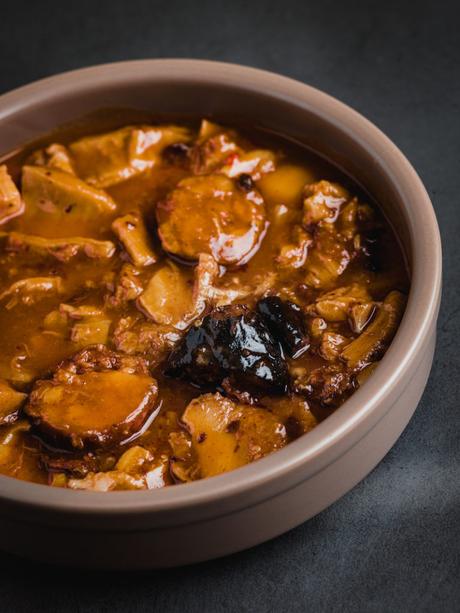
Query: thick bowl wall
[[230, 512]]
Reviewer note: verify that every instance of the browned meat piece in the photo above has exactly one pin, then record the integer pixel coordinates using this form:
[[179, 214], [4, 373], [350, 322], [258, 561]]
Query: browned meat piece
[[100, 359], [170, 296], [126, 287], [69, 463], [334, 221], [322, 202], [328, 258], [137, 336], [11, 402], [11, 204], [226, 434], [219, 150], [238, 395], [231, 342], [215, 146], [212, 154], [233, 291], [132, 233], [336, 305], [351, 303], [206, 275], [211, 214], [331, 346], [328, 385], [355, 216], [294, 254], [63, 249], [95, 399]]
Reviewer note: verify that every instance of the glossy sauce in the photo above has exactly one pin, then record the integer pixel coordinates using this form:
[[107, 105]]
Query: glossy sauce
[[37, 334]]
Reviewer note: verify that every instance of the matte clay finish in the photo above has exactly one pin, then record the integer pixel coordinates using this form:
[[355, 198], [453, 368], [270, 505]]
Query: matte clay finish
[[216, 516]]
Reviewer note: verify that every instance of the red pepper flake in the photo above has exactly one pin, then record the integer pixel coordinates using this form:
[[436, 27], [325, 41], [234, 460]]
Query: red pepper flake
[[231, 158]]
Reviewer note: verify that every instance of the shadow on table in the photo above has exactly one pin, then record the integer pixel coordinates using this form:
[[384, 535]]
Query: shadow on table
[[353, 553]]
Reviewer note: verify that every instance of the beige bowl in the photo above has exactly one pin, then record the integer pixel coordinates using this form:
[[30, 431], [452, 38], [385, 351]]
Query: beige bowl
[[224, 514]]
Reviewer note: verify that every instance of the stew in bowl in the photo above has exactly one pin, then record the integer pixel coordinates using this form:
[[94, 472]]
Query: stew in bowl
[[179, 300]]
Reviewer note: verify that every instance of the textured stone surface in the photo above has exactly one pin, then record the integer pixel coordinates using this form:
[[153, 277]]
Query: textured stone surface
[[392, 544]]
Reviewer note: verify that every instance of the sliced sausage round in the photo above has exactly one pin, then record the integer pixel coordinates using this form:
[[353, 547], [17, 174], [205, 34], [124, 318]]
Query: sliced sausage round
[[212, 214], [93, 401]]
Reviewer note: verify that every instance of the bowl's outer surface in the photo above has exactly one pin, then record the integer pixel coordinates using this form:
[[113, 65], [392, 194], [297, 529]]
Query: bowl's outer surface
[[213, 517]]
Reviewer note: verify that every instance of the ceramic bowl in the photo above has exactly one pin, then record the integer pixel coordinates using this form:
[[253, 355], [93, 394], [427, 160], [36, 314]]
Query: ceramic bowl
[[234, 511]]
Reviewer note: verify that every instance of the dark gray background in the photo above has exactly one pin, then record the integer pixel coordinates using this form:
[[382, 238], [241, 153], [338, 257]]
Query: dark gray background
[[392, 544]]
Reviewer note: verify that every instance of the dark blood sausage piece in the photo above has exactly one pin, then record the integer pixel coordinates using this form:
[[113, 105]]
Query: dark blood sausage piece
[[286, 323], [231, 343]]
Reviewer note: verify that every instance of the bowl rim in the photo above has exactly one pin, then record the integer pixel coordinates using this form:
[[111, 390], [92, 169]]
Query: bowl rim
[[418, 322]]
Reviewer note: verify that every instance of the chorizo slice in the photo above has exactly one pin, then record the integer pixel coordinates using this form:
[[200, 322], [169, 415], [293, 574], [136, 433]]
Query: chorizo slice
[[212, 214], [95, 399]]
